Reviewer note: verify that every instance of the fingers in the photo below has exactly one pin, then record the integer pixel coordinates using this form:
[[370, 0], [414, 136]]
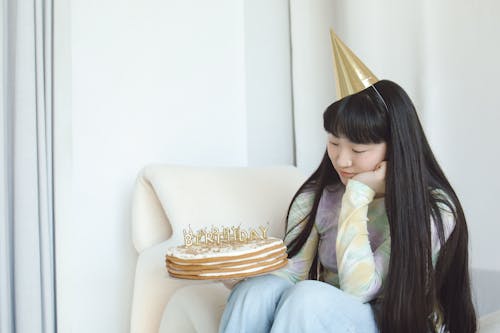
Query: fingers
[[230, 283], [382, 164]]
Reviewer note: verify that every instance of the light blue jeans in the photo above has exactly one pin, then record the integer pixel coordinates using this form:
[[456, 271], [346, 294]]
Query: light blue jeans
[[272, 304]]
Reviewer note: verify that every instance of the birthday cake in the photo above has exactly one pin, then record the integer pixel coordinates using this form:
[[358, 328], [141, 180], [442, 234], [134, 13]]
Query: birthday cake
[[229, 254]]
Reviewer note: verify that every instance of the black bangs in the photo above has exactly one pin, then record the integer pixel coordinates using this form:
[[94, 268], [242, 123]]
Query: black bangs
[[361, 118]]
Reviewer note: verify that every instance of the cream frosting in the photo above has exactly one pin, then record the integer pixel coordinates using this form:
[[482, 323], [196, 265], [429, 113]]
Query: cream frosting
[[223, 250]]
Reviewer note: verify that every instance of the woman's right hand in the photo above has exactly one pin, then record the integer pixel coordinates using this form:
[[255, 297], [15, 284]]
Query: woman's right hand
[[374, 179]]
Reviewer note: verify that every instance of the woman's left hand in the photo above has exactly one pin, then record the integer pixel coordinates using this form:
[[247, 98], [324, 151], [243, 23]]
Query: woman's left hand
[[230, 283], [374, 179]]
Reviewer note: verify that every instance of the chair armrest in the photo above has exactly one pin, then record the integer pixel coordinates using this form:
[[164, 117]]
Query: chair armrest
[[153, 288], [196, 308], [191, 197], [150, 224]]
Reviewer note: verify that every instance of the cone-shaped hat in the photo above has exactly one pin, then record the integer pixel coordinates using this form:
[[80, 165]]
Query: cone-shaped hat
[[351, 75]]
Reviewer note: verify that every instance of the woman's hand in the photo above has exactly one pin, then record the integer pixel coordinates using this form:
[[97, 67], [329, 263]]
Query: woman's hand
[[230, 283], [374, 179]]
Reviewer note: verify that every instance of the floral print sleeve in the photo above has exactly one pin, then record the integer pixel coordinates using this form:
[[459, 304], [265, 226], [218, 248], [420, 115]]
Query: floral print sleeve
[[298, 267], [361, 271], [357, 269]]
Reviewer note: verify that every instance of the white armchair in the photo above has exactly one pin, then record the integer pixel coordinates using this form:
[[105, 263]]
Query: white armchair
[[168, 199]]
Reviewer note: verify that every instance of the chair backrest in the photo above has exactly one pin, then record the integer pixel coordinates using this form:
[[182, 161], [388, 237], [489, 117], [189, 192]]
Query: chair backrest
[[168, 199]]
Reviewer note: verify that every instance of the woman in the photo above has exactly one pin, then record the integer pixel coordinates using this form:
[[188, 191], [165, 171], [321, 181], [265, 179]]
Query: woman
[[378, 224]]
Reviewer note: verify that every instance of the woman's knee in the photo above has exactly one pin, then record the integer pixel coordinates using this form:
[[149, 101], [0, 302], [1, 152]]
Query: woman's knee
[[261, 287], [252, 304], [318, 305], [308, 292]]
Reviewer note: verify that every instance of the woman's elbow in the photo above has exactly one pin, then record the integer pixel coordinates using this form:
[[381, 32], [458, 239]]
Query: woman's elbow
[[366, 290]]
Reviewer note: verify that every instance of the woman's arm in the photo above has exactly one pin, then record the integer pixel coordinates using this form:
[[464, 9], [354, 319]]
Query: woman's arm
[[298, 267], [357, 268], [361, 271]]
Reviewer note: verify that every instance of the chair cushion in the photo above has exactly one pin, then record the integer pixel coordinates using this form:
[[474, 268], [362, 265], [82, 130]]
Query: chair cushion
[[195, 309]]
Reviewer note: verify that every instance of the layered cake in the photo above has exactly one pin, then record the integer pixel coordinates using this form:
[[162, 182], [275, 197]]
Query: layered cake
[[229, 258]]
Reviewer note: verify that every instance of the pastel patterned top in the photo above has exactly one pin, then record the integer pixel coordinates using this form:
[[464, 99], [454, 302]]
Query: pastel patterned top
[[351, 236]]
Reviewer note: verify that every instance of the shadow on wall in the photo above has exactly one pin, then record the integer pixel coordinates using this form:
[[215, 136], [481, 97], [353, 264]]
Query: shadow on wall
[[486, 290]]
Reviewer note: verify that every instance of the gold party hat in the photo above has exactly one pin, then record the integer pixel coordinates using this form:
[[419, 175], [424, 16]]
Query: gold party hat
[[351, 75]]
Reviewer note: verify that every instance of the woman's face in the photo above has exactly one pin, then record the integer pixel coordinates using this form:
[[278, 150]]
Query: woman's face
[[350, 158]]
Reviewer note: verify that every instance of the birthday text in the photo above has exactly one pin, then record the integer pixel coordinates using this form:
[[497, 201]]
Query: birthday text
[[217, 236]]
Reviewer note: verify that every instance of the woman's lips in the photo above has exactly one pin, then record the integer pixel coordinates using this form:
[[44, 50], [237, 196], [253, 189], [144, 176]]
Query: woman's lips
[[346, 174]]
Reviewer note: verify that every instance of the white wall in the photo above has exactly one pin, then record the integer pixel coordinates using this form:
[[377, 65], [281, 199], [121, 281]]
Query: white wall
[[268, 83], [313, 85], [153, 81], [368, 29], [463, 111]]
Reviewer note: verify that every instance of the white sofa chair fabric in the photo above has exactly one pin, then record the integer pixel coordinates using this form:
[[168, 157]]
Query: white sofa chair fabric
[[195, 309], [168, 199]]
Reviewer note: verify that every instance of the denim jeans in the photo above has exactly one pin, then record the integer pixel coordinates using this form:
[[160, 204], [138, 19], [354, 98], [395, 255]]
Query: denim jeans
[[272, 304]]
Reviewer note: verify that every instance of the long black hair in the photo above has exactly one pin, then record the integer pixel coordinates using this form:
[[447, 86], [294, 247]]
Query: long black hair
[[413, 290]]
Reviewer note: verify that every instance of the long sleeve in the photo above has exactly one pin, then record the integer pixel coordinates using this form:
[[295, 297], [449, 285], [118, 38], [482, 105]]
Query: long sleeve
[[298, 267], [357, 265], [361, 270]]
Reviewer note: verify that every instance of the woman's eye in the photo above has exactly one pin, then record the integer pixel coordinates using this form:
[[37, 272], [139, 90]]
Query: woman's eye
[[358, 151], [333, 143]]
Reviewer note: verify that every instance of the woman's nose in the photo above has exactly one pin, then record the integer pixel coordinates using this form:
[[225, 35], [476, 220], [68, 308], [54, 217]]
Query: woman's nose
[[344, 160]]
